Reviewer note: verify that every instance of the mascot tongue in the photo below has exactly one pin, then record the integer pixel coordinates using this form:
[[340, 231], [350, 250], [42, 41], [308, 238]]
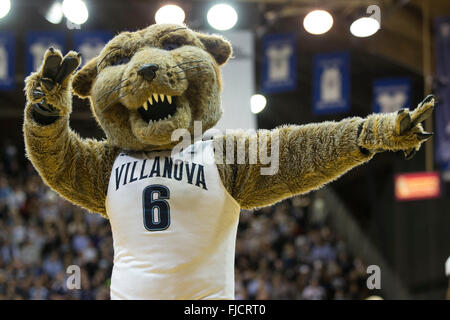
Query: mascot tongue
[[158, 110]]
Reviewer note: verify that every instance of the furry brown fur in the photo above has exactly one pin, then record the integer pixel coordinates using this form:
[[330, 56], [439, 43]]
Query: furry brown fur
[[310, 156], [79, 169]]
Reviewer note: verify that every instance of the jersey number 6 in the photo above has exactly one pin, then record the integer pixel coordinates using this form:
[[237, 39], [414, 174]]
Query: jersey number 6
[[156, 208]]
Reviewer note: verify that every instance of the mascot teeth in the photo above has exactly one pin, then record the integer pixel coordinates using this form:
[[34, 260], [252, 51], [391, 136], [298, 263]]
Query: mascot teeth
[[157, 97]]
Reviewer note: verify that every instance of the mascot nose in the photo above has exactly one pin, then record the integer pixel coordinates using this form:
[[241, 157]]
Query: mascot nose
[[148, 71]]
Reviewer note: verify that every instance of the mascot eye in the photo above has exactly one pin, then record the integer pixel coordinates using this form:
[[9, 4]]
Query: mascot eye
[[171, 46], [120, 60]]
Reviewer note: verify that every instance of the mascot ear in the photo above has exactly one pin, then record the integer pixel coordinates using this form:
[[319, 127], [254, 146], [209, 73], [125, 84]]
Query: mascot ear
[[217, 46], [84, 78]]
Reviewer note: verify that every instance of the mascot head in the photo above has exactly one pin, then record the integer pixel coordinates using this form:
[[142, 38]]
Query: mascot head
[[145, 84]]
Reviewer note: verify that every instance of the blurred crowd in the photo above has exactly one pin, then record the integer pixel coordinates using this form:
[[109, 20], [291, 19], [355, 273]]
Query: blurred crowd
[[286, 251]]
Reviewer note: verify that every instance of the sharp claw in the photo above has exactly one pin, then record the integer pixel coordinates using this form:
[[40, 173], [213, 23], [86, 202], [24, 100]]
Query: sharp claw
[[409, 155], [422, 136], [38, 94], [427, 99]]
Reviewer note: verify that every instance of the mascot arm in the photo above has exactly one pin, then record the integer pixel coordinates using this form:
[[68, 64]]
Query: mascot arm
[[314, 154], [302, 158], [78, 169]]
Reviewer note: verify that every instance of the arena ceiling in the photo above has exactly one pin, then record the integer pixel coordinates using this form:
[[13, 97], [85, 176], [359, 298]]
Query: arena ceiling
[[397, 49]]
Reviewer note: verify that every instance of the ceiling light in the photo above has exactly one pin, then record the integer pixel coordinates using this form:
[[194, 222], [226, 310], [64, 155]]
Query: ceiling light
[[170, 14], [222, 17], [54, 13], [5, 5], [257, 103], [364, 27], [318, 22], [75, 11]]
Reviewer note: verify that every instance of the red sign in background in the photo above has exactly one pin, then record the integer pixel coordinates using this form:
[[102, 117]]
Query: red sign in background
[[417, 186]]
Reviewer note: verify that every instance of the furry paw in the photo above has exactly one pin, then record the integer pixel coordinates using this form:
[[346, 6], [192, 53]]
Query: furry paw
[[397, 131], [50, 86]]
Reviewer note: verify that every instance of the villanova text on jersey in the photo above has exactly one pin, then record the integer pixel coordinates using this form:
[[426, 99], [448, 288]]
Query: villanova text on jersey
[[165, 167]]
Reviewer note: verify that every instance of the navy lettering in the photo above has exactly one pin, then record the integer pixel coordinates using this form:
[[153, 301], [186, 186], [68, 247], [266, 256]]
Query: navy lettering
[[168, 163], [190, 173], [126, 173], [119, 175], [132, 172], [155, 168], [173, 169], [178, 174], [201, 177]]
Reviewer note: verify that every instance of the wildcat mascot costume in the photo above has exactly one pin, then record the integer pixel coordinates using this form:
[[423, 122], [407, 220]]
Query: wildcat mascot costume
[[174, 215]]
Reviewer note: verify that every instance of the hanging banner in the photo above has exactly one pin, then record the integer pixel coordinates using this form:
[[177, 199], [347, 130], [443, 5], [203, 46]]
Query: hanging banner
[[38, 43], [90, 43], [390, 95], [445, 169], [7, 53], [331, 83], [442, 111], [279, 71]]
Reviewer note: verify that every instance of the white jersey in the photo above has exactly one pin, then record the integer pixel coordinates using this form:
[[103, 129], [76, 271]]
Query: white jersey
[[173, 224]]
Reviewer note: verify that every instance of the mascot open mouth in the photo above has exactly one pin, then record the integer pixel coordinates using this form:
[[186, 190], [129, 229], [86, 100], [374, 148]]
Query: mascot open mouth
[[158, 107]]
